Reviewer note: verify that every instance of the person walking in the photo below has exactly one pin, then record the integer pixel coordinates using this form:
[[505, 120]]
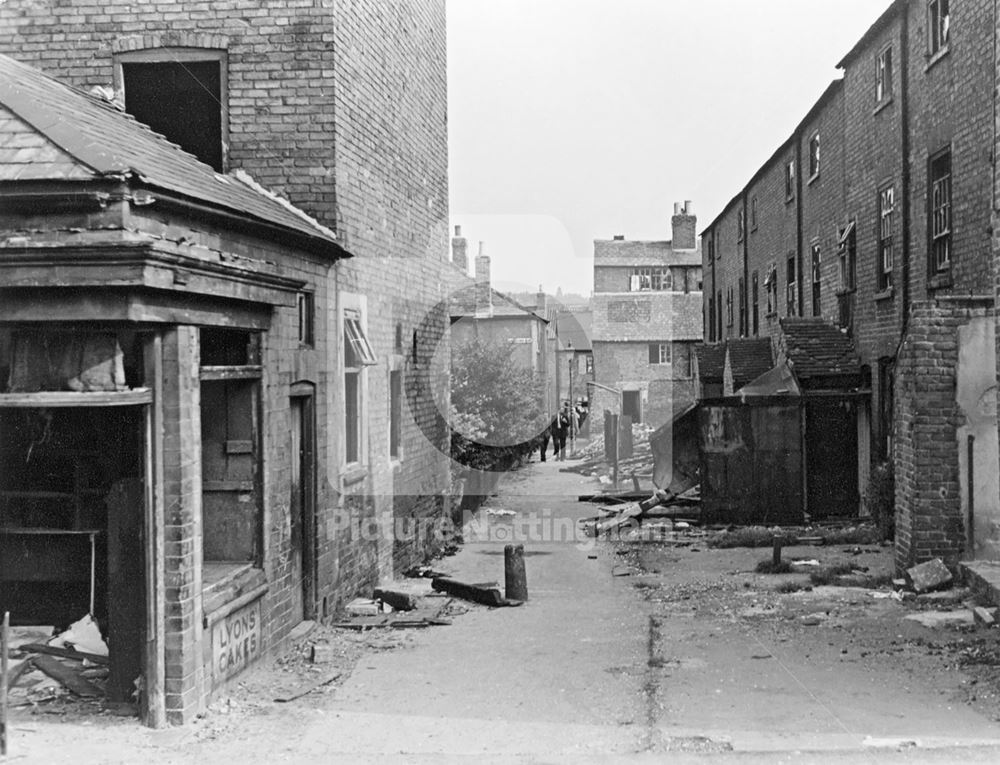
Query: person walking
[[560, 431]]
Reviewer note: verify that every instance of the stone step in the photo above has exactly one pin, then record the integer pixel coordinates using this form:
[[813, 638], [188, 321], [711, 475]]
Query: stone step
[[983, 577]]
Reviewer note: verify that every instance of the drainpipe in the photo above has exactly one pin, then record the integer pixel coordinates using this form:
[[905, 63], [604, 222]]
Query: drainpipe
[[746, 268], [798, 221], [904, 118]]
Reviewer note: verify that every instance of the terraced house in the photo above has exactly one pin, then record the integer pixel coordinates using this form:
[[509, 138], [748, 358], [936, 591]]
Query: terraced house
[[874, 217], [221, 337]]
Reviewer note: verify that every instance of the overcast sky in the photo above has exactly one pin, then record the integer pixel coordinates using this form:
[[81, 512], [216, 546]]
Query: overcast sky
[[574, 120]]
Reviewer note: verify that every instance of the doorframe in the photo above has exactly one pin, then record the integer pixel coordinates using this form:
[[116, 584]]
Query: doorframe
[[305, 392]]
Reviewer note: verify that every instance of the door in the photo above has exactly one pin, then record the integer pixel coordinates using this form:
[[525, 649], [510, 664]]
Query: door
[[831, 458], [302, 507], [632, 405]]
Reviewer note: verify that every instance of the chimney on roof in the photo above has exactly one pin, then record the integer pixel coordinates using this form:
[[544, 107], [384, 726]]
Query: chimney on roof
[[484, 291], [542, 303], [619, 237], [684, 224], [460, 251]]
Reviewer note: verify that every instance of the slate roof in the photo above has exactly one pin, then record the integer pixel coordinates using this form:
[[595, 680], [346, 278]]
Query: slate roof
[[749, 358], [622, 252], [52, 131], [575, 327], [711, 362], [462, 300], [815, 347]]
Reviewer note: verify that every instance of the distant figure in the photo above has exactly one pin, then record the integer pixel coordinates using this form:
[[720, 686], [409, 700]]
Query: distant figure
[[544, 439], [560, 430]]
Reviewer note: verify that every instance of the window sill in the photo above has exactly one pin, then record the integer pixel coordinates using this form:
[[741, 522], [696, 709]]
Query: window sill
[[933, 59], [226, 585], [939, 280], [845, 291], [884, 294], [813, 177], [883, 104]]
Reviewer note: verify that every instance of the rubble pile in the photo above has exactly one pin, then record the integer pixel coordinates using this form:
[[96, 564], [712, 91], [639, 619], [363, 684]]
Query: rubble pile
[[595, 464]]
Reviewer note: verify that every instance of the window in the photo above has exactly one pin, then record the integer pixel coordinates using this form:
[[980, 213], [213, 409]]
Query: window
[[753, 214], [816, 302], [886, 206], [740, 224], [883, 76], [743, 307], [848, 251], [940, 212], [790, 179], [357, 355], [938, 25], [395, 412], [659, 353], [729, 307], [181, 94], [814, 156], [711, 248], [711, 319], [755, 296], [647, 278], [306, 308], [771, 285], [590, 364], [791, 287], [718, 310]]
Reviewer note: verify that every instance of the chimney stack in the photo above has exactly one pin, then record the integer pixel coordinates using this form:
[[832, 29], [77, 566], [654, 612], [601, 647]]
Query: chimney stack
[[684, 224], [484, 292], [460, 251], [542, 303]]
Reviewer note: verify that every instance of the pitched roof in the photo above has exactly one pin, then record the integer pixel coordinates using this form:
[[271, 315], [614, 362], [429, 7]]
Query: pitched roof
[[749, 358], [574, 328], [711, 362], [622, 252], [62, 133], [815, 347]]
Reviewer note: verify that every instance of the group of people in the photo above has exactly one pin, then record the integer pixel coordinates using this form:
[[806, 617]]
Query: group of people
[[567, 422]]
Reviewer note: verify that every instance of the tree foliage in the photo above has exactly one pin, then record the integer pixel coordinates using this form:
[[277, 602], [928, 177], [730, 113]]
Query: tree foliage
[[497, 412]]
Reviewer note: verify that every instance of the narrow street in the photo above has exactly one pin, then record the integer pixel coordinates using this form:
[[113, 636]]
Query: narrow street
[[669, 651]]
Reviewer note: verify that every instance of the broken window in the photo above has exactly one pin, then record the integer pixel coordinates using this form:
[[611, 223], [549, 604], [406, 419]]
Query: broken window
[[649, 278], [180, 93]]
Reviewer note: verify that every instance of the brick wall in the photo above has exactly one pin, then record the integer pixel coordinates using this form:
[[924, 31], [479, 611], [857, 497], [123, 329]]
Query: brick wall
[[930, 511]]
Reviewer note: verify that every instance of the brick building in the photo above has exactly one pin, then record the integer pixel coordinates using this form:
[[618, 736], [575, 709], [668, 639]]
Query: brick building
[[647, 322], [339, 107], [875, 215]]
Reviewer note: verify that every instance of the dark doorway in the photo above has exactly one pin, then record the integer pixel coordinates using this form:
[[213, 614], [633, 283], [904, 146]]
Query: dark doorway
[[832, 458], [303, 506], [632, 405]]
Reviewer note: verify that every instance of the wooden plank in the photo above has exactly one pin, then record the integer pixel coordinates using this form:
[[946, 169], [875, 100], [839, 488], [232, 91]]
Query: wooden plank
[[67, 676], [66, 653], [49, 399]]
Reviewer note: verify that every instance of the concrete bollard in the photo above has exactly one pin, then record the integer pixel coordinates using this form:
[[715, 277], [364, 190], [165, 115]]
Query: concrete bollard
[[515, 577], [776, 552]]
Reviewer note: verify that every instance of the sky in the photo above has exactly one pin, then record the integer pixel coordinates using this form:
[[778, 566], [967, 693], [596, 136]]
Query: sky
[[575, 120]]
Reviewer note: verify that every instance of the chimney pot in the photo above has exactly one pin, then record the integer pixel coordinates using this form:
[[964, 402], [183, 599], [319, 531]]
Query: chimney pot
[[688, 207], [482, 248], [458, 230], [677, 208], [684, 225]]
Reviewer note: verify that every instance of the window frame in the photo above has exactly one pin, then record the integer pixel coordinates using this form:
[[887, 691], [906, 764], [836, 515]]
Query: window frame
[[790, 180], [816, 272], [740, 224], [791, 286], [660, 354], [847, 254], [651, 279], [356, 357], [175, 55], [305, 305], [885, 217], [729, 308], [753, 213], [814, 156], [755, 303], [938, 26], [939, 239], [883, 76]]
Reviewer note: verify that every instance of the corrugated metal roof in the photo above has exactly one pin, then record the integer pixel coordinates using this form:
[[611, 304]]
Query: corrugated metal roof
[[96, 136]]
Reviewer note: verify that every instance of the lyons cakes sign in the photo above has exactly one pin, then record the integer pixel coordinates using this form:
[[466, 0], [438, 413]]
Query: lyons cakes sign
[[236, 641]]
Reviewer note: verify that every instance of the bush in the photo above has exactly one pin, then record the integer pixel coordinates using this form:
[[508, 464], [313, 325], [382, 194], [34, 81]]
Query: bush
[[880, 499]]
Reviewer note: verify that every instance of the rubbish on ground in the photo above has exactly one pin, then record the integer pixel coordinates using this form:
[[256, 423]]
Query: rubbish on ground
[[928, 576], [487, 596], [322, 653], [365, 607], [945, 597], [985, 616], [882, 594], [83, 635], [308, 689], [422, 572], [933, 619], [812, 620], [399, 601], [805, 562], [67, 676]]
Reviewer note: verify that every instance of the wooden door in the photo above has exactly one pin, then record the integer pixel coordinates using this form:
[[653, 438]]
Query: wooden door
[[302, 507]]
